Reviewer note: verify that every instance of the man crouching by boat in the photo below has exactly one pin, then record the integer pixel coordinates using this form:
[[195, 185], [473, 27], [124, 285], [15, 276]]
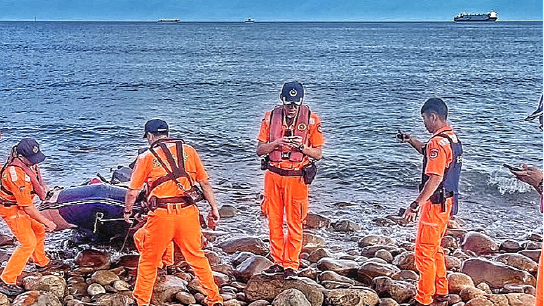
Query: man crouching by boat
[[21, 179], [171, 170]]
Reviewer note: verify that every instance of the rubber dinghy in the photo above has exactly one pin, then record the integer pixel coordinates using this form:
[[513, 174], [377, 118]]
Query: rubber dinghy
[[93, 209]]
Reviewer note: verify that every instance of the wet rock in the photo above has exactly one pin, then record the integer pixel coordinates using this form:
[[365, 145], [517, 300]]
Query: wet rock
[[36, 298], [262, 287], [406, 261], [115, 299], [510, 246], [518, 261], [251, 266], [385, 255], [220, 279], [449, 242], [6, 240], [195, 286], [398, 290], [317, 221], [104, 277], [121, 285], [460, 254], [453, 263], [511, 299], [375, 240], [95, 289], [512, 288], [533, 254], [4, 301], [310, 272], [98, 260], [351, 297], [228, 211], [484, 287], [233, 303], [469, 293], [53, 284], [129, 261], [346, 226], [340, 266], [495, 274], [459, 281], [78, 289], [479, 244], [400, 220], [185, 298], [458, 234], [370, 251], [30, 281], [535, 237], [369, 270], [166, 288], [225, 269], [212, 257], [406, 275], [259, 303], [245, 244], [291, 297], [240, 258], [311, 242], [333, 276], [316, 255], [531, 245], [388, 302]]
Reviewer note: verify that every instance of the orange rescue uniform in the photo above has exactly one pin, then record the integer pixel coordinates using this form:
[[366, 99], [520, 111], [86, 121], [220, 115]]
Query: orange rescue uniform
[[164, 225], [429, 255], [287, 196], [29, 232], [540, 276]]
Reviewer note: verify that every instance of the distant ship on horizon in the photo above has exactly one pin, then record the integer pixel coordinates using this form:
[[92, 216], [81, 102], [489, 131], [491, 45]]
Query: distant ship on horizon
[[489, 17], [168, 20], [249, 20]]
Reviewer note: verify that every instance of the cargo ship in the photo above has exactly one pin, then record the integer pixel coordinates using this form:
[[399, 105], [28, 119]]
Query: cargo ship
[[489, 17], [168, 20]]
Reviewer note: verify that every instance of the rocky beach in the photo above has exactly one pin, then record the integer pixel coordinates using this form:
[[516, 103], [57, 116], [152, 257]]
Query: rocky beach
[[342, 265]]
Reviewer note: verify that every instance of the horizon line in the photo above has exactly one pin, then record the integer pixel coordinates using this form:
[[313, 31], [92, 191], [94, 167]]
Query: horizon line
[[242, 21]]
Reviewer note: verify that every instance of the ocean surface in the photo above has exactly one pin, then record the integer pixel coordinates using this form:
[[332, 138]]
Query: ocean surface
[[85, 90]]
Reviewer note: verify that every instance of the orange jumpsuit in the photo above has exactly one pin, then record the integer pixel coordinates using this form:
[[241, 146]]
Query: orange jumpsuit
[[287, 197], [177, 224], [167, 257], [29, 232], [429, 255], [540, 276]]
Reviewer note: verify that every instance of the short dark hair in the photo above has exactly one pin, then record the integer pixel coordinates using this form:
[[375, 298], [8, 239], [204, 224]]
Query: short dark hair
[[435, 105]]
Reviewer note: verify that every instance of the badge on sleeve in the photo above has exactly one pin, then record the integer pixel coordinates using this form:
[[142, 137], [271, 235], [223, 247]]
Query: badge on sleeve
[[433, 153], [319, 128]]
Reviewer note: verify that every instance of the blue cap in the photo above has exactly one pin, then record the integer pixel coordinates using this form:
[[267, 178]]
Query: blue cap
[[155, 126], [292, 92], [30, 149]]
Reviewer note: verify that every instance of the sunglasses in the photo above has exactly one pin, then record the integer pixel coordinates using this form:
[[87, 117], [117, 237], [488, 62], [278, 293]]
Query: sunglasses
[[288, 103]]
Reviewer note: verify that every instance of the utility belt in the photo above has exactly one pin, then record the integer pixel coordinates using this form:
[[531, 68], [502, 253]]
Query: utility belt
[[308, 172], [179, 201], [7, 203], [440, 196]]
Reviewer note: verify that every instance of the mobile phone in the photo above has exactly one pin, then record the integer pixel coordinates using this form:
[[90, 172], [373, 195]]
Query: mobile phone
[[401, 212], [401, 135], [512, 168]]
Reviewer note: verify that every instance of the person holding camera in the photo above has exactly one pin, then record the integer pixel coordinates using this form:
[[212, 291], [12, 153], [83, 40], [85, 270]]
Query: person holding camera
[[437, 200], [533, 176], [290, 138], [171, 169]]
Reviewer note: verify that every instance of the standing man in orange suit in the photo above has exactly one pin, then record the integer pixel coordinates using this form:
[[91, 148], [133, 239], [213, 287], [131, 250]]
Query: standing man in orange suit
[[437, 200], [171, 170], [20, 181], [290, 137]]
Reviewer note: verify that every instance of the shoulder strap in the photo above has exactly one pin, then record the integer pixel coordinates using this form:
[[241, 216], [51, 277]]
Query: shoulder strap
[[176, 171]]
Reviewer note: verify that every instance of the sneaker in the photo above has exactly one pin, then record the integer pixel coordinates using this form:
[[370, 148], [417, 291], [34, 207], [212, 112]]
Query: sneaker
[[10, 290], [273, 270], [290, 273]]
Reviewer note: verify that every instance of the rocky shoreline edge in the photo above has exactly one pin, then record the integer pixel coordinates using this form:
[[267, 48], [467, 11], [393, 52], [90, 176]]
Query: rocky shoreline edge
[[380, 272]]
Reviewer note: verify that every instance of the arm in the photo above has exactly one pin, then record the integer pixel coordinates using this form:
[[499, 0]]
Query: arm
[[130, 199], [530, 175], [210, 197], [33, 212], [267, 147], [427, 191], [414, 142]]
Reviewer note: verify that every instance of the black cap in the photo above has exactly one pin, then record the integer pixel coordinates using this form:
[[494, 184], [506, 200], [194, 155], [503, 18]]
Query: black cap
[[155, 126], [292, 92], [30, 149]]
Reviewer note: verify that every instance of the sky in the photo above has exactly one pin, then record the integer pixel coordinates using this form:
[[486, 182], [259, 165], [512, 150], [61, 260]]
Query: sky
[[266, 10]]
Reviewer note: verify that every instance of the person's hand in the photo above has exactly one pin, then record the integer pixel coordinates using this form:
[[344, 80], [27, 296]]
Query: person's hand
[[213, 218], [411, 213], [295, 142], [126, 216], [530, 175], [403, 137], [50, 226]]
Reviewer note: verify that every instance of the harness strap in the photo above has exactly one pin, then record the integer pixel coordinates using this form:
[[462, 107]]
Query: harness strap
[[284, 172]]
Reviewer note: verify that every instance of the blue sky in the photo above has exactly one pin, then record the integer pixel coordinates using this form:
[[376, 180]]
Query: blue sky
[[261, 10]]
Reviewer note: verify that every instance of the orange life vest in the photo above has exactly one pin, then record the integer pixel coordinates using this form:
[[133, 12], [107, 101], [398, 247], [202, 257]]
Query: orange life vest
[[38, 185], [301, 128]]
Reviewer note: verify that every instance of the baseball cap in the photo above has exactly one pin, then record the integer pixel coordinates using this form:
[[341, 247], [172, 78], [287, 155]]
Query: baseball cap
[[292, 92], [155, 126], [537, 113], [30, 149]]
